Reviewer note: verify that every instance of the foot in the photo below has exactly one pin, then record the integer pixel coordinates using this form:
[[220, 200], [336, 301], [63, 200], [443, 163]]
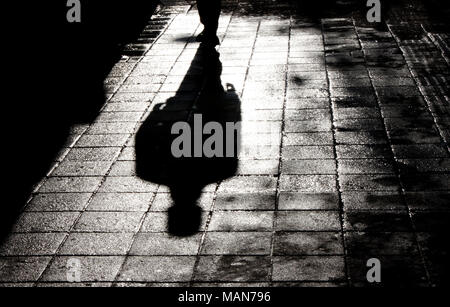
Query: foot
[[208, 39]]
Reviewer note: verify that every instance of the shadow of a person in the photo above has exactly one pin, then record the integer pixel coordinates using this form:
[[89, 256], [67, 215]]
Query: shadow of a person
[[200, 96]]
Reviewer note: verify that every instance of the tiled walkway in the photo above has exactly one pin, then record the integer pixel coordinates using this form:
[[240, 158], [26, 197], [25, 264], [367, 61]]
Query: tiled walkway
[[344, 157]]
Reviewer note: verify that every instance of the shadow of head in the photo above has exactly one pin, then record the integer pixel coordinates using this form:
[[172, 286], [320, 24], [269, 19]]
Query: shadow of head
[[191, 140]]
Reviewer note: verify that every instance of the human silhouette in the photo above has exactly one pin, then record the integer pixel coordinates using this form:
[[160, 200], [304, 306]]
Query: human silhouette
[[209, 11], [200, 92]]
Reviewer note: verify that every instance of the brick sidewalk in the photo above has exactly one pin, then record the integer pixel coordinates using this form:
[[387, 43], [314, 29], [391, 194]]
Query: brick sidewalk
[[345, 157]]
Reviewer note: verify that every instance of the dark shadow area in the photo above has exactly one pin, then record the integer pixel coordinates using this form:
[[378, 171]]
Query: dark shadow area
[[311, 10], [55, 72], [200, 94]]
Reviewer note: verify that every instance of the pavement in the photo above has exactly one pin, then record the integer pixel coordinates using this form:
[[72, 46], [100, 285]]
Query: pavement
[[344, 157]]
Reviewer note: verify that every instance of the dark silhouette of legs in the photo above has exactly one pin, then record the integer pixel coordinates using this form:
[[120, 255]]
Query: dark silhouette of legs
[[209, 11]]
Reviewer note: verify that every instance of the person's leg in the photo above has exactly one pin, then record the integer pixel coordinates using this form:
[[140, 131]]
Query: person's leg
[[209, 11]]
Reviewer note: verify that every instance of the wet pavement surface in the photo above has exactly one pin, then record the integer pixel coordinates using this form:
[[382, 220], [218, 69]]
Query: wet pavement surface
[[344, 157]]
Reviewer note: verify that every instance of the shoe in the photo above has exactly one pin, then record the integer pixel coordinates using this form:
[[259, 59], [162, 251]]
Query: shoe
[[210, 40]]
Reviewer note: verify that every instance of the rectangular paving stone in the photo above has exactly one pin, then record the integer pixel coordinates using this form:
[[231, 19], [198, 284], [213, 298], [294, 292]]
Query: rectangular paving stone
[[248, 184], [241, 221], [297, 83], [377, 221], [109, 222], [97, 244], [403, 111], [373, 201], [342, 74], [120, 202], [308, 201], [140, 88], [45, 221], [363, 151], [22, 269], [365, 166], [307, 152], [307, 103], [353, 108], [164, 244], [349, 82], [308, 126], [404, 136], [397, 91], [127, 184], [258, 167], [102, 140], [361, 138], [363, 91], [112, 117], [123, 97], [425, 165], [93, 268], [432, 201], [308, 138], [411, 105], [31, 244], [307, 114], [307, 221], [308, 268], [425, 181], [58, 202], [383, 72], [232, 268], [237, 243], [123, 168], [70, 184], [308, 243], [157, 269], [81, 169], [359, 124], [409, 123], [247, 201], [386, 243], [136, 106], [369, 183], [308, 183], [112, 128], [93, 154], [309, 167], [420, 151]]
